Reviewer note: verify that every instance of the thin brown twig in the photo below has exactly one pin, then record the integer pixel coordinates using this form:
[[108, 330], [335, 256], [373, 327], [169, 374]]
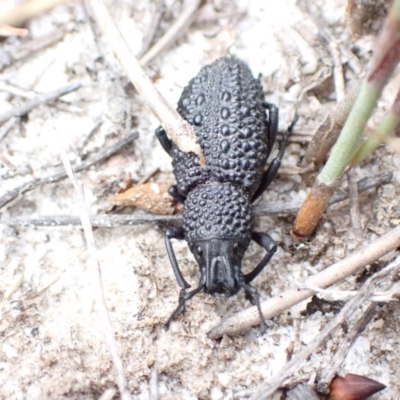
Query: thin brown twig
[[7, 127], [146, 177], [333, 367], [333, 274], [7, 30], [302, 391], [355, 214], [152, 29], [112, 221], [33, 46], [24, 109], [61, 174], [176, 29], [333, 47], [96, 278], [351, 306], [338, 76], [179, 130], [27, 10]]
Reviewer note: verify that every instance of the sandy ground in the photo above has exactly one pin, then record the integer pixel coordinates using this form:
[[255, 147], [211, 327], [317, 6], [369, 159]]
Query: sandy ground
[[51, 343]]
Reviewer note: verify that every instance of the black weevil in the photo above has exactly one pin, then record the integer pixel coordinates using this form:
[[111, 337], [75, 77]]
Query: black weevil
[[236, 130]]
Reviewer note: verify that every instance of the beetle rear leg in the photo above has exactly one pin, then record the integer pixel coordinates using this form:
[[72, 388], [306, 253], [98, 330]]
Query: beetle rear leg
[[254, 297], [183, 298], [273, 168], [273, 120], [164, 140], [265, 241]]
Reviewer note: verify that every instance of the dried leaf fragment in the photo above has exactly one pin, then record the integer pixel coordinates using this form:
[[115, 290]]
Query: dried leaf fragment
[[151, 196], [353, 387]]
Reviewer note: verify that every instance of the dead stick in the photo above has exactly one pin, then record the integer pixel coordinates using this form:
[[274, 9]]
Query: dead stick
[[176, 29], [152, 29], [4, 131], [95, 271], [61, 174], [333, 274], [355, 214], [27, 10], [351, 306], [179, 130], [112, 221], [30, 105], [333, 368]]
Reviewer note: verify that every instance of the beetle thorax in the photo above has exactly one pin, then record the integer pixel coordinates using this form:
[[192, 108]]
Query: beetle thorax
[[217, 211]]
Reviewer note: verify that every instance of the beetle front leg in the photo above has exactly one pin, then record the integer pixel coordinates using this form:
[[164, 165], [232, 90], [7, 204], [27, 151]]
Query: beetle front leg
[[164, 140], [183, 298], [175, 232], [254, 297], [265, 241]]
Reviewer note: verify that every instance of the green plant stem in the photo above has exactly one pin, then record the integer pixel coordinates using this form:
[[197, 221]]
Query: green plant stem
[[385, 128], [351, 134]]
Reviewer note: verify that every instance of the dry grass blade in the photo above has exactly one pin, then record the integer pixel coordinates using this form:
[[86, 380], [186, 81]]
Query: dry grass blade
[[179, 130], [96, 276]]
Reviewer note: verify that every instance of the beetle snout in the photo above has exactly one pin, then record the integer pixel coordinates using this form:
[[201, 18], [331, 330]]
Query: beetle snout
[[220, 277]]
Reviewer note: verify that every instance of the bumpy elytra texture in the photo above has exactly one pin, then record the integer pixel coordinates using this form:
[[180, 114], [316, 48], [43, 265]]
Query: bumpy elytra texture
[[217, 210], [225, 104]]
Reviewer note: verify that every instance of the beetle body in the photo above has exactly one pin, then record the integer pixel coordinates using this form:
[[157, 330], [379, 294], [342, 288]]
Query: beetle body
[[236, 131]]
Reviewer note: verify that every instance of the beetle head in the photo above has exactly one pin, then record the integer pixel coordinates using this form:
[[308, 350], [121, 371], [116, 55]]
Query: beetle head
[[220, 262]]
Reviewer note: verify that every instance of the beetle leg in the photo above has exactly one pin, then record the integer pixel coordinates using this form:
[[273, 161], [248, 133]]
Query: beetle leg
[[254, 297], [183, 298], [175, 232], [273, 168], [164, 140], [273, 119], [174, 193], [265, 241]]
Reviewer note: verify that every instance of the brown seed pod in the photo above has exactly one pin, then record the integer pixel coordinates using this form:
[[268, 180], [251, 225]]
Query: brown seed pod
[[353, 387], [152, 197]]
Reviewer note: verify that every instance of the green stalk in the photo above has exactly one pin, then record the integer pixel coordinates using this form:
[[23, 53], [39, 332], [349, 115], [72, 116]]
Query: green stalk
[[385, 128], [351, 134]]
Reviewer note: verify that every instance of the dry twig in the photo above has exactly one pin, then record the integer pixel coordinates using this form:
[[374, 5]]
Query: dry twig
[[111, 221], [351, 306], [179, 130], [333, 367], [7, 30], [176, 29], [355, 214], [7, 127], [20, 111], [27, 10], [61, 174], [152, 29], [333, 274], [96, 277]]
